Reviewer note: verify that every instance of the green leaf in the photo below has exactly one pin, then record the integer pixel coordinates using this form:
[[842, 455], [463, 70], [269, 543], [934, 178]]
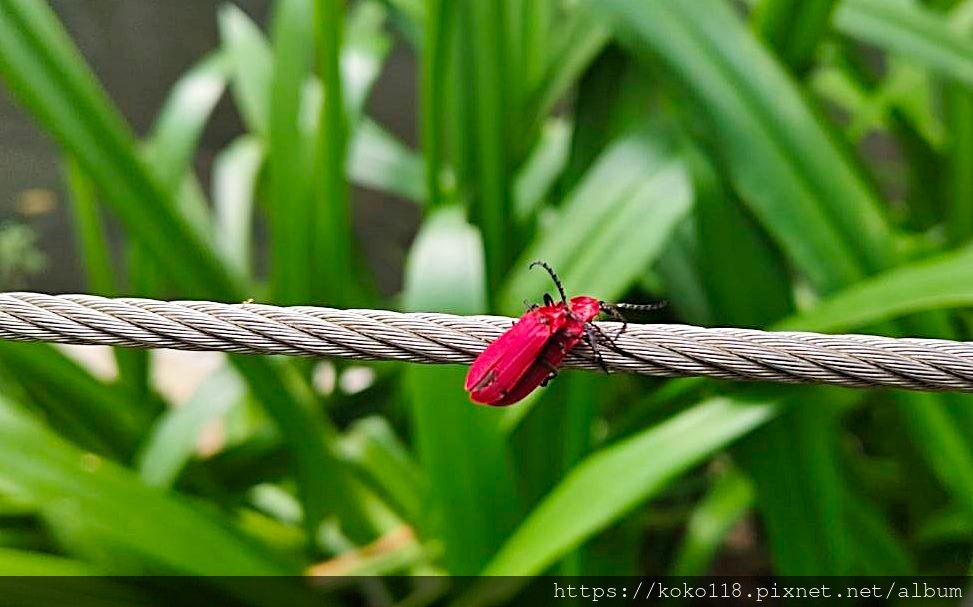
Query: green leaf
[[251, 64], [105, 410], [912, 31], [378, 160], [332, 246], [433, 80], [45, 72], [939, 282], [938, 438], [793, 28], [646, 462], [445, 267], [959, 117], [461, 446], [610, 103], [746, 280], [365, 47], [541, 169], [172, 144], [235, 175], [179, 126], [945, 527], [96, 254], [794, 461], [877, 549], [534, 20], [280, 81], [325, 485], [571, 405], [371, 444], [39, 466], [619, 217], [779, 157], [89, 229], [26, 563], [291, 208], [173, 441], [24, 582], [575, 45], [489, 99], [44, 68], [729, 498]]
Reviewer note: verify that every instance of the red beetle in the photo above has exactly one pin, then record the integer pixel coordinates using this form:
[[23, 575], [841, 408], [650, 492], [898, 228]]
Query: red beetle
[[529, 353]]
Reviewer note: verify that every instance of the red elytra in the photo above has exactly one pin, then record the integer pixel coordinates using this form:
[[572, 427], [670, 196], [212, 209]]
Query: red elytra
[[529, 353]]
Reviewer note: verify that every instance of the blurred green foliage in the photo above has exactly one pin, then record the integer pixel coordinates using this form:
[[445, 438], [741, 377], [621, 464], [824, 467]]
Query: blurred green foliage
[[716, 155], [19, 256]]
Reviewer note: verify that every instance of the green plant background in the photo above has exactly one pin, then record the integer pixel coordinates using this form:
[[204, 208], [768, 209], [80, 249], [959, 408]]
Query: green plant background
[[718, 154]]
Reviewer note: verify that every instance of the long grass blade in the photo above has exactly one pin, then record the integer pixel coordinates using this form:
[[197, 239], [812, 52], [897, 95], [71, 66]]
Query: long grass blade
[[377, 160], [104, 410], [620, 215], [794, 28], [53, 474], [557, 525], [251, 65], [729, 498], [174, 439], [44, 70], [434, 78], [482, 24], [461, 447], [291, 209], [96, 255], [814, 538], [793, 177], [911, 30], [172, 144], [236, 172], [334, 274], [940, 282], [574, 47], [89, 229], [57, 86], [372, 444]]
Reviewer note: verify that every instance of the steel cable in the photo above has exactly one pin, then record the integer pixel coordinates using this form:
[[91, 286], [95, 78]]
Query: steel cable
[[667, 350]]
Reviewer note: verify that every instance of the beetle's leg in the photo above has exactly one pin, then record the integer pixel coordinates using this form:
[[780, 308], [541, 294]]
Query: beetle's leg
[[550, 367], [549, 379], [530, 306], [604, 336], [590, 339], [612, 311]]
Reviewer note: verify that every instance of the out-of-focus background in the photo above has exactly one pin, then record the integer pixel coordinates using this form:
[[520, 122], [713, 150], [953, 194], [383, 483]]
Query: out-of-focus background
[[139, 50], [775, 163]]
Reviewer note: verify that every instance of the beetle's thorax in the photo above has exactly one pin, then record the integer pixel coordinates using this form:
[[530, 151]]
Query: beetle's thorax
[[585, 308]]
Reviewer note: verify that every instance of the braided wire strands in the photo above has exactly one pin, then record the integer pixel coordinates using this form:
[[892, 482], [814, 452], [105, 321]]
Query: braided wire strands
[[651, 349]]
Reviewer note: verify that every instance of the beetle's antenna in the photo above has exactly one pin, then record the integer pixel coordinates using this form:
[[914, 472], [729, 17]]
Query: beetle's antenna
[[642, 307], [557, 281], [612, 309]]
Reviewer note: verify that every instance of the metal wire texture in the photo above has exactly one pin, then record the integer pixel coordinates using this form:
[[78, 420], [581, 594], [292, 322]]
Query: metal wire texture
[[666, 350]]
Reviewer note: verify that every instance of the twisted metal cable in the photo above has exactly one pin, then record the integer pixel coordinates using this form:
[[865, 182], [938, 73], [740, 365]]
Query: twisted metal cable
[[651, 349]]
